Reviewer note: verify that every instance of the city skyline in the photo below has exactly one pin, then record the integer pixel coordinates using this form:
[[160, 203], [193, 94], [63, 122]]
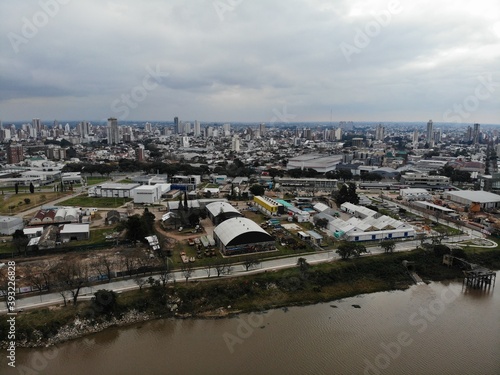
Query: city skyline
[[237, 61]]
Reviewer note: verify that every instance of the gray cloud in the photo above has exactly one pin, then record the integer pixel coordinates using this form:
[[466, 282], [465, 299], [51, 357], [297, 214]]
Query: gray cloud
[[259, 57]]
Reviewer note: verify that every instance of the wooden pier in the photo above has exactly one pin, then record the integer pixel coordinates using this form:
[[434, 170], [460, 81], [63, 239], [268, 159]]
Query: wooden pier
[[475, 276]]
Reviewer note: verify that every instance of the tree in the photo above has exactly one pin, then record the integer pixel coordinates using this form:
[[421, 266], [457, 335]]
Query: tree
[[32, 188], [303, 266], [208, 268], [250, 262], [35, 277], [322, 223], [140, 280], [148, 221], [350, 249], [344, 174], [257, 189], [187, 270], [388, 245], [16, 187], [222, 267], [104, 302], [20, 241], [129, 262], [72, 276], [138, 227], [104, 266], [165, 272], [347, 193], [185, 201]]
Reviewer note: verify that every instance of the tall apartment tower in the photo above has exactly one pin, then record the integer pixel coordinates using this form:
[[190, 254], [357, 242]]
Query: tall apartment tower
[[235, 146], [176, 125], [469, 135], [197, 128], [475, 134], [262, 129], [15, 154], [430, 132], [37, 124], [380, 132], [140, 153], [226, 128], [113, 131]]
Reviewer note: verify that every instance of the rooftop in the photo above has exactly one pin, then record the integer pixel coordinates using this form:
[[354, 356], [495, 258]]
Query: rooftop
[[476, 196]]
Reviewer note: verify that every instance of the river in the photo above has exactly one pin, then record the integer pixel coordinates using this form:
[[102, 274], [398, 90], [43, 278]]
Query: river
[[439, 328]]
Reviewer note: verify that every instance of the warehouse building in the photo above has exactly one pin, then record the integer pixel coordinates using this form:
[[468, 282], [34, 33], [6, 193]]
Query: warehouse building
[[368, 225], [74, 232], [221, 211], [241, 236], [320, 163], [9, 224], [472, 199], [112, 190], [268, 205], [423, 179], [148, 194], [415, 194]]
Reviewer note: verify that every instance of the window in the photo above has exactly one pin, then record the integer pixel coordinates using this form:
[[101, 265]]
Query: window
[[356, 238], [406, 234], [390, 235], [374, 236]]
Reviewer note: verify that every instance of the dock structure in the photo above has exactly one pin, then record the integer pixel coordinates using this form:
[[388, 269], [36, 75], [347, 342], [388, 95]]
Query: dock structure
[[479, 278], [475, 276]]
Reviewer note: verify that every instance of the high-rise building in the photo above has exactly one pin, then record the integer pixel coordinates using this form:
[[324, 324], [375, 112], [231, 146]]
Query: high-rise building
[[113, 131], [475, 134], [235, 146], [437, 136], [338, 134], [140, 153], [37, 124], [197, 128], [430, 132], [185, 141], [83, 129], [176, 125], [15, 154], [380, 132], [262, 129], [226, 130]]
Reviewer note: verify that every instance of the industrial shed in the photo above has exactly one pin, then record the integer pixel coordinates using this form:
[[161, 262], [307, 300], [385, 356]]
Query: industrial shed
[[484, 199], [74, 232], [9, 224], [220, 211], [368, 226], [241, 235]]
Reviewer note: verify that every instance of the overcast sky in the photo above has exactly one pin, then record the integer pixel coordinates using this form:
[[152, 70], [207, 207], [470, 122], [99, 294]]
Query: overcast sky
[[251, 60]]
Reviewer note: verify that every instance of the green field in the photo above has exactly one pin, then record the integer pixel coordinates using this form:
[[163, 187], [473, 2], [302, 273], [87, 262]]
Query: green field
[[85, 201], [15, 203], [96, 180]]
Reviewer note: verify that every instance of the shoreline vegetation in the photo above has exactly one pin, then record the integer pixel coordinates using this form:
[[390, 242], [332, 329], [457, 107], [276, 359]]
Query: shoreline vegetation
[[225, 297]]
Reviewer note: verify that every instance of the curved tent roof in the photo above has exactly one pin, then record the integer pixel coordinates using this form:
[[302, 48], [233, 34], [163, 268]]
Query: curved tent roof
[[240, 231], [218, 208]]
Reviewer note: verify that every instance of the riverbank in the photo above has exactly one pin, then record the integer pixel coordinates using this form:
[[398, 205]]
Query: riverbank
[[218, 298]]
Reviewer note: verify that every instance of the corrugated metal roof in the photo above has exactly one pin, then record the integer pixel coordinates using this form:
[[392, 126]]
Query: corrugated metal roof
[[216, 208], [476, 196], [232, 228]]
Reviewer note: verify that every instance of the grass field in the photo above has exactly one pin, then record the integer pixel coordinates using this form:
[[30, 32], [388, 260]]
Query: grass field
[[86, 201], [15, 203], [96, 180]]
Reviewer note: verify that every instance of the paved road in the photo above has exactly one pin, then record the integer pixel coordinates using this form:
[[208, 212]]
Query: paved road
[[200, 273]]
